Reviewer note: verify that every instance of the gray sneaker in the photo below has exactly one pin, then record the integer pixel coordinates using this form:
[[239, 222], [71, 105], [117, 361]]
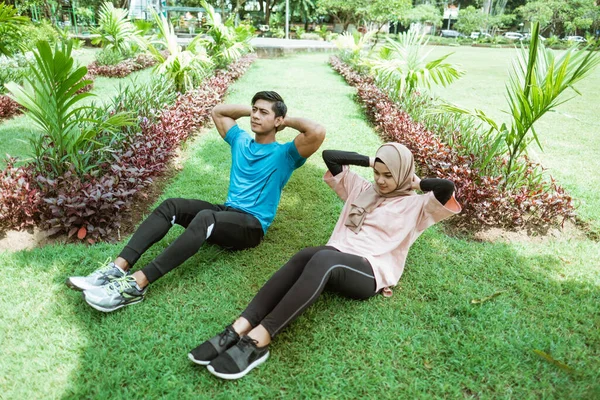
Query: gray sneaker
[[118, 293], [98, 278]]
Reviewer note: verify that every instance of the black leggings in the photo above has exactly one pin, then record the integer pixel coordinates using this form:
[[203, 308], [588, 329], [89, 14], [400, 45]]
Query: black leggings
[[301, 280], [217, 224]]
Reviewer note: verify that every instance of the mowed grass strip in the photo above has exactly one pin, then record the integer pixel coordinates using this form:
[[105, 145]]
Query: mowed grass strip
[[427, 341]]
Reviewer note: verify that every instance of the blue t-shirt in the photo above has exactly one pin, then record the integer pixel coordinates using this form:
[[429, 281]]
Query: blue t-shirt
[[258, 174]]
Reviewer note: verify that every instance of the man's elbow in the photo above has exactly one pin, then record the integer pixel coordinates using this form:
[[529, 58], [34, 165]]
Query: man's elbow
[[320, 134], [216, 111]]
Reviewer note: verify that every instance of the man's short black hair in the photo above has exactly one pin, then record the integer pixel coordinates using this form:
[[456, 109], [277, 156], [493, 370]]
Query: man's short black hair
[[279, 107]]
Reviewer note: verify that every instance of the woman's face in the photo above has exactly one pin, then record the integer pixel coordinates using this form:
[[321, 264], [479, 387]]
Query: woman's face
[[383, 178]]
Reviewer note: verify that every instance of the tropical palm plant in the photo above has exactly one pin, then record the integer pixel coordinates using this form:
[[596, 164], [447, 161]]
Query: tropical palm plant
[[401, 66], [116, 31], [49, 94], [352, 44], [10, 22], [536, 84], [184, 67], [225, 43]]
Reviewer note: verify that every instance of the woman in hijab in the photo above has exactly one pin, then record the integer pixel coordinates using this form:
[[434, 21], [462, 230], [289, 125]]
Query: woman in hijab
[[364, 256]]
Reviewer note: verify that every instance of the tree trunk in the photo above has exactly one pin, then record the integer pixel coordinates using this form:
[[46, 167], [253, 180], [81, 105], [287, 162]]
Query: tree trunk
[[346, 22], [239, 9], [268, 8], [487, 6], [377, 35]]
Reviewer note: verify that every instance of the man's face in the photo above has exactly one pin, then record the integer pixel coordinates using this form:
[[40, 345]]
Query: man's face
[[262, 119]]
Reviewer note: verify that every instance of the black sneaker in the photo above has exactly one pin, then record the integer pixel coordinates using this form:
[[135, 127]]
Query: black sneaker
[[214, 347], [239, 359]]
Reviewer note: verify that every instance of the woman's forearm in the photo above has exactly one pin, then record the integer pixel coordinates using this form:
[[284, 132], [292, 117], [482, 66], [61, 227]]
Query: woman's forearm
[[335, 159], [442, 188]]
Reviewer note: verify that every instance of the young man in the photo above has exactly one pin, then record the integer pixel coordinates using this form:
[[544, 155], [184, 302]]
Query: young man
[[260, 168]]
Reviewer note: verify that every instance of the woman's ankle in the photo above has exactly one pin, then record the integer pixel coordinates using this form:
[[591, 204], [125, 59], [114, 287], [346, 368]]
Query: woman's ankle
[[241, 326], [261, 335]]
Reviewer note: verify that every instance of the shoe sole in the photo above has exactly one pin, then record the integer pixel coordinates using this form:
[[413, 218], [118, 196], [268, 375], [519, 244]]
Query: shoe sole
[[107, 310], [239, 375], [199, 362]]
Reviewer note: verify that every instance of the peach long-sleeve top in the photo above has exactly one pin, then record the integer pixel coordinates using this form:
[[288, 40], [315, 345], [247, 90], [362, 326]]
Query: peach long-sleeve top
[[389, 230]]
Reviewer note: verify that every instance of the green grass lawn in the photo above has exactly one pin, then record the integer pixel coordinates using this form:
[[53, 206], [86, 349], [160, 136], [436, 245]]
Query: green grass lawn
[[427, 341], [570, 136]]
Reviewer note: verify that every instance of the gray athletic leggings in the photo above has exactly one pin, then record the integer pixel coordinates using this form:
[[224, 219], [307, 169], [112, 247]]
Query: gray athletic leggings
[[298, 284]]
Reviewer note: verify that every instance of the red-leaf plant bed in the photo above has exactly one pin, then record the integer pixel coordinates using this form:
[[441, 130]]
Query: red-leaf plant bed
[[124, 68], [8, 107], [484, 200], [98, 203]]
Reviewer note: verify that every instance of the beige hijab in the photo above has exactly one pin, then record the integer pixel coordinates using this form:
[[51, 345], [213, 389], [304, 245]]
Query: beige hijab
[[400, 162]]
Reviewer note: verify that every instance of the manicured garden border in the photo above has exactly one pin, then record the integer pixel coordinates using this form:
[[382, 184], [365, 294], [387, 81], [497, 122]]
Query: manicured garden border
[[8, 107], [93, 206], [124, 68], [483, 198]]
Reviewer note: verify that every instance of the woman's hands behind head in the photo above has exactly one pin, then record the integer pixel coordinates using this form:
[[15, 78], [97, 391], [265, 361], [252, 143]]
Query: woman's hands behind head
[[415, 183]]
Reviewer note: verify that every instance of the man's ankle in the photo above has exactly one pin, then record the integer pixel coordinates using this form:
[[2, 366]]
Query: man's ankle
[[140, 279], [122, 263]]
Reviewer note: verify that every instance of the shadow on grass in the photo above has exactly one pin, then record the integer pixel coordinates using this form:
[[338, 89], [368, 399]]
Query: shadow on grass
[[428, 339]]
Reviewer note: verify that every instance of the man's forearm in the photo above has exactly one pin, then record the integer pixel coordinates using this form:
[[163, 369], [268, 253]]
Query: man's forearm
[[302, 125], [233, 111]]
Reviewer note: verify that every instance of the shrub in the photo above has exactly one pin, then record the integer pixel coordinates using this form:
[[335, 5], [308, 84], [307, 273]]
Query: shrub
[[8, 107], [311, 36], [400, 68], [20, 197], [278, 33], [186, 68], [115, 30], [68, 137], [16, 67], [34, 32], [225, 43], [299, 31], [149, 100], [108, 56], [536, 82]]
